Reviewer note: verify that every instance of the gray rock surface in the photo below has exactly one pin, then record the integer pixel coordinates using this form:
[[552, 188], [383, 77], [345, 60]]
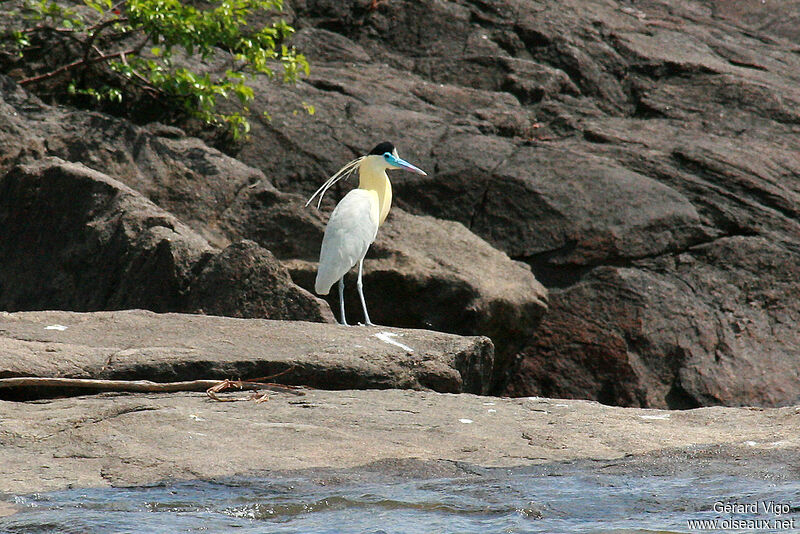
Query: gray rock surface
[[115, 439], [436, 274], [142, 345], [180, 174], [640, 158], [220, 200], [74, 238], [246, 280]]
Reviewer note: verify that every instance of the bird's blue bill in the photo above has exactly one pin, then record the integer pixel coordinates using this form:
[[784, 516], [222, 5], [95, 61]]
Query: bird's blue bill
[[403, 164]]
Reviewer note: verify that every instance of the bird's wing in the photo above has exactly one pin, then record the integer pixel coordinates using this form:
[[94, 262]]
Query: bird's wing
[[351, 230]]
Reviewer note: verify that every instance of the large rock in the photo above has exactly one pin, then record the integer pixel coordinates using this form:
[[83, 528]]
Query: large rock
[[180, 174], [555, 206], [122, 440], [596, 142], [420, 273], [642, 336], [139, 345], [74, 238], [583, 138], [246, 280]]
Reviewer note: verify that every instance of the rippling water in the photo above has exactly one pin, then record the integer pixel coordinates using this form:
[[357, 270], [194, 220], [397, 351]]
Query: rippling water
[[499, 500]]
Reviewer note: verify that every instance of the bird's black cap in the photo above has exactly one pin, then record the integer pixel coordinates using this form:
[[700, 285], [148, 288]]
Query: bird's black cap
[[381, 149]]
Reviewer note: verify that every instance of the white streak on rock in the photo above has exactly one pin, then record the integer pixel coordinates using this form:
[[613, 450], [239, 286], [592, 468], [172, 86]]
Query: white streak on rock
[[386, 337]]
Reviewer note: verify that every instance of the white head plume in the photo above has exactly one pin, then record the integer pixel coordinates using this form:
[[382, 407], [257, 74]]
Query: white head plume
[[344, 172]]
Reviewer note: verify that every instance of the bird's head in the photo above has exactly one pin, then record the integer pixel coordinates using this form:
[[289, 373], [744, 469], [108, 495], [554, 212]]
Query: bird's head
[[383, 157], [385, 154]]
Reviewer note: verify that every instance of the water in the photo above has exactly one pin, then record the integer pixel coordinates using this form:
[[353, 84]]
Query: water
[[499, 500]]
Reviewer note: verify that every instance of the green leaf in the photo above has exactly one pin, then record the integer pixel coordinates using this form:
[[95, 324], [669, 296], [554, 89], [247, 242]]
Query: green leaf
[[201, 29]]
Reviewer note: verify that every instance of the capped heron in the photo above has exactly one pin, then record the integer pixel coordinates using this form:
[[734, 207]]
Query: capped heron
[[354, 222]]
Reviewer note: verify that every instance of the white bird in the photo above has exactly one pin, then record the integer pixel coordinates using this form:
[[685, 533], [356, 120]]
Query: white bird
[[354, 222]]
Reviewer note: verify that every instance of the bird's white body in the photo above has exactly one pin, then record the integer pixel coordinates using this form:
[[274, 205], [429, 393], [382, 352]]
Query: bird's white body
[[351, 230], [354, 223]]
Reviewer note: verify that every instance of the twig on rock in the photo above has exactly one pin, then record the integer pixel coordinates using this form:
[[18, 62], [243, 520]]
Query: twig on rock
[[107, 385], [251, 385], [146, 386]]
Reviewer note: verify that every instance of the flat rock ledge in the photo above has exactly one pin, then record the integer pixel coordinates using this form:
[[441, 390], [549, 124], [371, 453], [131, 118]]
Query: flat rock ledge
[[133, 439], [141, 345]]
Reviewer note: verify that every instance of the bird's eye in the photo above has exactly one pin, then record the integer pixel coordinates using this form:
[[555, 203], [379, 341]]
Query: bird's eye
[[387, 156]]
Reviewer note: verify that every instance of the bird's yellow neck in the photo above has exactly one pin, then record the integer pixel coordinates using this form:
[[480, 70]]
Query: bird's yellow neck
[[372, 177]]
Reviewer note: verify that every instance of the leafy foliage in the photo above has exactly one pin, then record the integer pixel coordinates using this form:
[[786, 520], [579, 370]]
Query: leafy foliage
[[137, 44]]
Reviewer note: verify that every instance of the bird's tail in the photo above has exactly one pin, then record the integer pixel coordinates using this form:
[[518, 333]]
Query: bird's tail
[[322, 286]]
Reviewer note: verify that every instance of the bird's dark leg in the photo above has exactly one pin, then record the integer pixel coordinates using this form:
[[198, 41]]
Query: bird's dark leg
[[342, 320], [360, 287]]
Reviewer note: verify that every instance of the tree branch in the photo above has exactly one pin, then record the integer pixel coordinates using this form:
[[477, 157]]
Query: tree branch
[[144, 83], [78, 63], [95, 32]]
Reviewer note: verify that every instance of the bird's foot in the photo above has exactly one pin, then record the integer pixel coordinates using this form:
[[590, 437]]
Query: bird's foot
[[368, 323], [342, 323]]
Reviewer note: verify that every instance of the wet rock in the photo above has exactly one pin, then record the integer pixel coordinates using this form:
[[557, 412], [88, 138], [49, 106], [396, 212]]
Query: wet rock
[[140, 345]]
